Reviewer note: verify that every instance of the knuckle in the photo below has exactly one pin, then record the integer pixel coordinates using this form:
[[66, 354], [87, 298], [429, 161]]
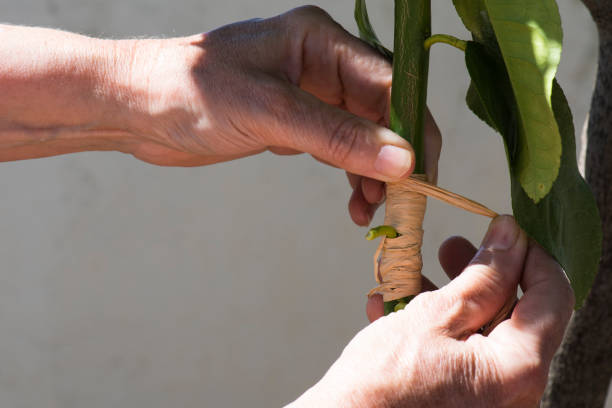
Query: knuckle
[[311, 11], [439, 311], [307, 15], [344, 138], [313, 17], [454, 314], [449, 310], [490, 278]]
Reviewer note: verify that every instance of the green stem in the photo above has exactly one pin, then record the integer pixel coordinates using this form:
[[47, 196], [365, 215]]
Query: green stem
[[409, 87], [410, 69], [385, 230], [446, 39]]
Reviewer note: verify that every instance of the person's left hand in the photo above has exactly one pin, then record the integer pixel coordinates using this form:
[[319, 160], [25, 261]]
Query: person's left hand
[[433, 354], [293, 83]]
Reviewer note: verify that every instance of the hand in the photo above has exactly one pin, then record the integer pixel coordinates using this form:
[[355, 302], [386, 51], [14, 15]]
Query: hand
[[431, 355], [294, 83], [289, 84]]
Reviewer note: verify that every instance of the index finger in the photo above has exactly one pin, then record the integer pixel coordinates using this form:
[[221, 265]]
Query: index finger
[[342, 70]]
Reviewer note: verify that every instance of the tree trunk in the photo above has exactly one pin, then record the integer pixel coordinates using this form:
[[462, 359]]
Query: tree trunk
[[581, 371]]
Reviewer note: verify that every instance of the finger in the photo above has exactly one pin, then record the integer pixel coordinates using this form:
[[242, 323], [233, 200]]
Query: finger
[[335, 68], [474, 297], [540, 317], [525, 344], [359, 209], [300, 121], [283, 151], [375, 307], [353, 179], [433, 147], [332, 68], [455, 254], [320, 160], [373, 199], [372, 208], [373, 190], [340, 69]]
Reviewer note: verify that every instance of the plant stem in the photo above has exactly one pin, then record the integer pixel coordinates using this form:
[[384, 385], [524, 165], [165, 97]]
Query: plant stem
[[446, 39], [409, 87], [410, 69]]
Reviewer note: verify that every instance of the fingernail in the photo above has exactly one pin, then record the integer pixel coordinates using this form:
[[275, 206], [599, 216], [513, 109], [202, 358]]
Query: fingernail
[[393, 162], [502, 234]]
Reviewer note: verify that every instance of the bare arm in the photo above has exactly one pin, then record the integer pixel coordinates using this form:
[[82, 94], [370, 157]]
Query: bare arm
[[60, 94], [294, 83]]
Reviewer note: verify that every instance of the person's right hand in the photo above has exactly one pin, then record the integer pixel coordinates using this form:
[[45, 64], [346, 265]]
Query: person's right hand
[[431, 353]]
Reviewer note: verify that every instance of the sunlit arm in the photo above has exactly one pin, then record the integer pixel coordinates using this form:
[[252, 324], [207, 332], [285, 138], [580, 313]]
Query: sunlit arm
[[59, 93]]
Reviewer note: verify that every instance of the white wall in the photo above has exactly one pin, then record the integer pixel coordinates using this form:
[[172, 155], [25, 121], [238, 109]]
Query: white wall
[[127, 285]]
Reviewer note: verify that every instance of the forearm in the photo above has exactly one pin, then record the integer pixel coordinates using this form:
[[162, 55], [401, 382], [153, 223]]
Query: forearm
[[62, 93]]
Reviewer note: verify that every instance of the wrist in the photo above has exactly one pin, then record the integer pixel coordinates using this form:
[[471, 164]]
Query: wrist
[[119, 99], [153, 81]]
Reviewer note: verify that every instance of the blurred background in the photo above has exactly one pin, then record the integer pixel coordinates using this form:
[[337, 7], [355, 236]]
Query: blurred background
[[128, 285]]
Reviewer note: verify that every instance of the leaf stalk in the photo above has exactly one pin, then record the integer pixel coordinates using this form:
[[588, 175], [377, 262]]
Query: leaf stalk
[[445, 39], [386, 230]]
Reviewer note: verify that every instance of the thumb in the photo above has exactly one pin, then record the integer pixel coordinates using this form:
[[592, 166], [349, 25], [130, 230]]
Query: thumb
[[492, 277], [339, 138]]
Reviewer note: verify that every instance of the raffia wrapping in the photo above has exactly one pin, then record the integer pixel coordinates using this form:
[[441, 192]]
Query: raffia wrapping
[[398, 262]]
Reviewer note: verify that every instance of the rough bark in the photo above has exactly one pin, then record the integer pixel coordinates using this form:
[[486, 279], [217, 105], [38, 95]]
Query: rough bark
[[581, 370]]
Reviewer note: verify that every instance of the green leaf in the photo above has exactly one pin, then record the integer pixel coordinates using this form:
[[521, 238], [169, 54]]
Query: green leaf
[[491, 98], [474, 102], [366, 31], [529, 36], [566, 222], [474, 15]]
